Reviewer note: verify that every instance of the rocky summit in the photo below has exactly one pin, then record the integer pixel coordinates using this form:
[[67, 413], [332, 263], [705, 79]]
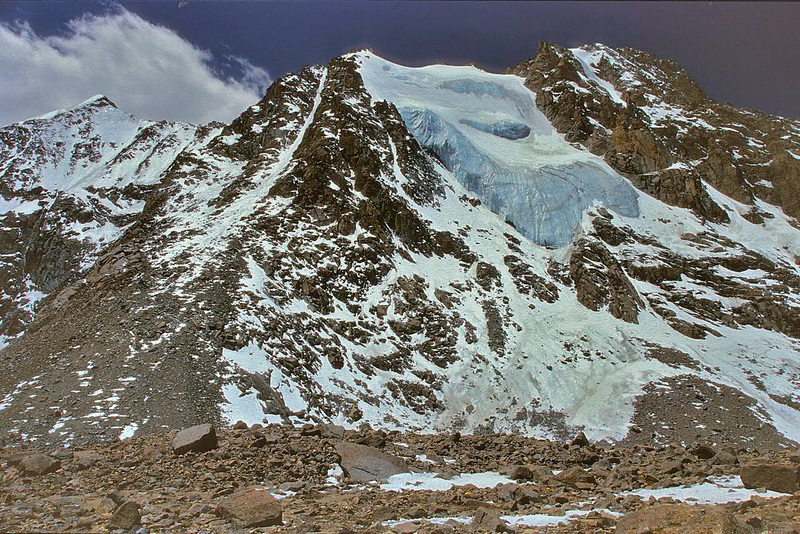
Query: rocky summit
[[586, 245]]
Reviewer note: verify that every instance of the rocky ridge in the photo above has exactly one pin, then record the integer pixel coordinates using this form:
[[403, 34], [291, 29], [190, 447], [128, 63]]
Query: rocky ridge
[[650, 121]]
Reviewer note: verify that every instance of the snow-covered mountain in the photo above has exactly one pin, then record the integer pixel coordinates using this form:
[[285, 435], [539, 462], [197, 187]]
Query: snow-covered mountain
[[71, 182], [434, 248]]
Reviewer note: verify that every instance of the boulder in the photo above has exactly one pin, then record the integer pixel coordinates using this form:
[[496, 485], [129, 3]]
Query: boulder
[[776, 477], [488, 520], [38, 464], [126, 516], [332, 431], [580, 440], [704, 452], [86, 459], [13, 459], [529, 473], [670, 468], [363, 463], [576, 477], [507, 492], [254, 508], [200, 438], [681, 519], [724, 458]]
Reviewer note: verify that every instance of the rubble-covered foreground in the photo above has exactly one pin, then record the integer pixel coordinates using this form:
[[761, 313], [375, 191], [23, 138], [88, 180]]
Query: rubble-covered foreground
[[328, 479]]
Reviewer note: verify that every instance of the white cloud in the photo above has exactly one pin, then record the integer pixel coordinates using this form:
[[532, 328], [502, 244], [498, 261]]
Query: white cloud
[[147, 70]]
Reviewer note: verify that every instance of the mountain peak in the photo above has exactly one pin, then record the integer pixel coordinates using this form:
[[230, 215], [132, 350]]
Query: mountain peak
[[97, 101], [436, 248]]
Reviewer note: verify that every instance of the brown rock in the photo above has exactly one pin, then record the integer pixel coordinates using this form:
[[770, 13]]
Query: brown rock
[[86, 459], [200, 438], [38, 464], [331, 431], [670, 467], [529, 473], [580, 440], [520, 472], [574, 476], [15, 458], [488, 520], [704, 452], [364, 463], [126, 516], [601, 281], [253, 507], [724, 458], [507, 492], [776, 477], [681, 519]]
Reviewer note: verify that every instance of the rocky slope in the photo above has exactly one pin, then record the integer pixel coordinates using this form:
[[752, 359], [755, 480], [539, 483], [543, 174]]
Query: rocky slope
[[71, 182], [289, 479], [652, 123], [421, 249]]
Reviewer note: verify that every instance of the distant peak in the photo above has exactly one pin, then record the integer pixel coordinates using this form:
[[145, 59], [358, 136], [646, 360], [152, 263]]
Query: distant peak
[[96, 101]]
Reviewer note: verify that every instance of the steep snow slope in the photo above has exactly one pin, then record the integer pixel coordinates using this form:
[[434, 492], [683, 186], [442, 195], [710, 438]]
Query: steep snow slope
[[490, 135], [71, 181], [312, 261]]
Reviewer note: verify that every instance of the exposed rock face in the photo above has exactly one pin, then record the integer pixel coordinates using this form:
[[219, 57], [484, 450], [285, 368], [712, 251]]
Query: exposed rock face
[[70, 183], [600, 281], [651, 121]]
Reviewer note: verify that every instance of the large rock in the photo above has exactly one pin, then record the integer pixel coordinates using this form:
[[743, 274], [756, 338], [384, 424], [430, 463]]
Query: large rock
[[126, 516], [681, 519], [775, 477], [488, 520], [38, 464], [576, 477], [86, 459], [200, 438], [364, 463], [724, 458], [253, 507], [529, 473], [331, 431]]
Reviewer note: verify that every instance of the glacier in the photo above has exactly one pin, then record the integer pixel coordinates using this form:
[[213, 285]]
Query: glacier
[[487, 131]]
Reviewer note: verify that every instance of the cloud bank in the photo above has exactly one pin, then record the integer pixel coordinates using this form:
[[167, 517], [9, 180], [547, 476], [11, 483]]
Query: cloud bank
[[145, 69]]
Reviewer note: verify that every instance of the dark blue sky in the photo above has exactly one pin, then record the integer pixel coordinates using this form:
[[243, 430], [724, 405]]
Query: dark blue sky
[[744, 53]]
